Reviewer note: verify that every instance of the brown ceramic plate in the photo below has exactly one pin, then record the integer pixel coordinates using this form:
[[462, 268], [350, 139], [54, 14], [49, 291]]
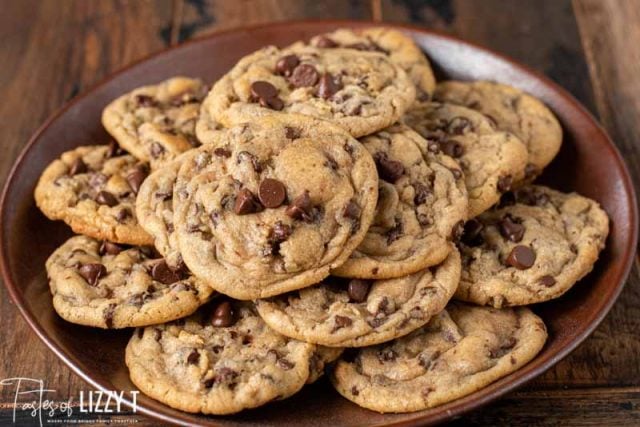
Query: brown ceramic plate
[[588, 163]]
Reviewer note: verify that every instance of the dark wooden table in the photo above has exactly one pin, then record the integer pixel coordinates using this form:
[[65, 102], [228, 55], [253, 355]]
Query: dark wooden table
[[51, 50]]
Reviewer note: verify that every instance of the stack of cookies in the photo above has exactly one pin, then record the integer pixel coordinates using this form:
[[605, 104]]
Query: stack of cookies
[[321, 197]]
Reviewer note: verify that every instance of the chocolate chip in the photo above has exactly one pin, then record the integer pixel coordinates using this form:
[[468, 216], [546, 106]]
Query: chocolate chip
[[78, 166], [341, 322], [261, 90], [427, 358], [304, 75], [223, 315], [291, 132], [272, 193], [92, 272], [136, 177], [285, 364], [472, 234], [325, 42], [387, 355], [300, 208], [504, 183], [329, 85], [457, 231], [109, 248], [114, 150], [108, 315], [352, 210], [246, 203], [354, 391], [389, 170], [547, 281], [394, 233], [145, 101], [458, 125], [106, 198], [156, 150], [97, 180], [452, 148], [286, 65], [422, 192], [161, 272], [245, 155], [358, 290], [433, 147], [122, 215], [194, 357], [511, 228], [280, 232], [521, 257], [222, 152], [274, 103]]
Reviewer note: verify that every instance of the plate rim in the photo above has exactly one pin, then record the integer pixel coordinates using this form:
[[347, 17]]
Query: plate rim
[[460, 406]]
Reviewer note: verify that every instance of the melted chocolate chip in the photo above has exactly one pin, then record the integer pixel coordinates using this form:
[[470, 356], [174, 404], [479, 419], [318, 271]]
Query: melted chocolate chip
[[136, 177], [156, 150], [145, 101], [304, 75], [457, 231], [341, 322], [352, 210], [504, 183], [272, 193], [472, 234], [122, 215], [457, 173], [114, 150], [395, 232], [511, 228], [422, 192], [246, 203], [291, 132], [547, 281], [287, 64], [194, 357], [106, 198], [329, 85], [222, 152], [358, 290], [108, 315], [325, 42], [521, 257], [433, 147], [452, 148], [223, 315], [389, 170], [92, 272], [78, 166], [387, 355], [110, 248], [162, 273], [300, 208]]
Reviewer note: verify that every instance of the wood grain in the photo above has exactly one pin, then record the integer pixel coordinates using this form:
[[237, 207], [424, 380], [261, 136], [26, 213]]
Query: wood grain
[[51, 53]]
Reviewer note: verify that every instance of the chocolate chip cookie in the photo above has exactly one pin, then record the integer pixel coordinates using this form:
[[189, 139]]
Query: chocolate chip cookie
[[273, 205], [154, 208], [400, 49], [221, 360], [422, 201], [463, 349], [93, 189], [156, 123], [361, 91], [356, 313], [532, 248], [106, 285], [514, 111], [491, 160]]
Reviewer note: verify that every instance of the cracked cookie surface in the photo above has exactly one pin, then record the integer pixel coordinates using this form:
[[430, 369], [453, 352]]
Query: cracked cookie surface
[[491, 160], [513, 111], [273, 205], [106, 285], [531, 250], [93, 190], [420, 204], [400, 49], [156, 123], [219, 361], [360, 91], [358, 313], [463, 349]]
